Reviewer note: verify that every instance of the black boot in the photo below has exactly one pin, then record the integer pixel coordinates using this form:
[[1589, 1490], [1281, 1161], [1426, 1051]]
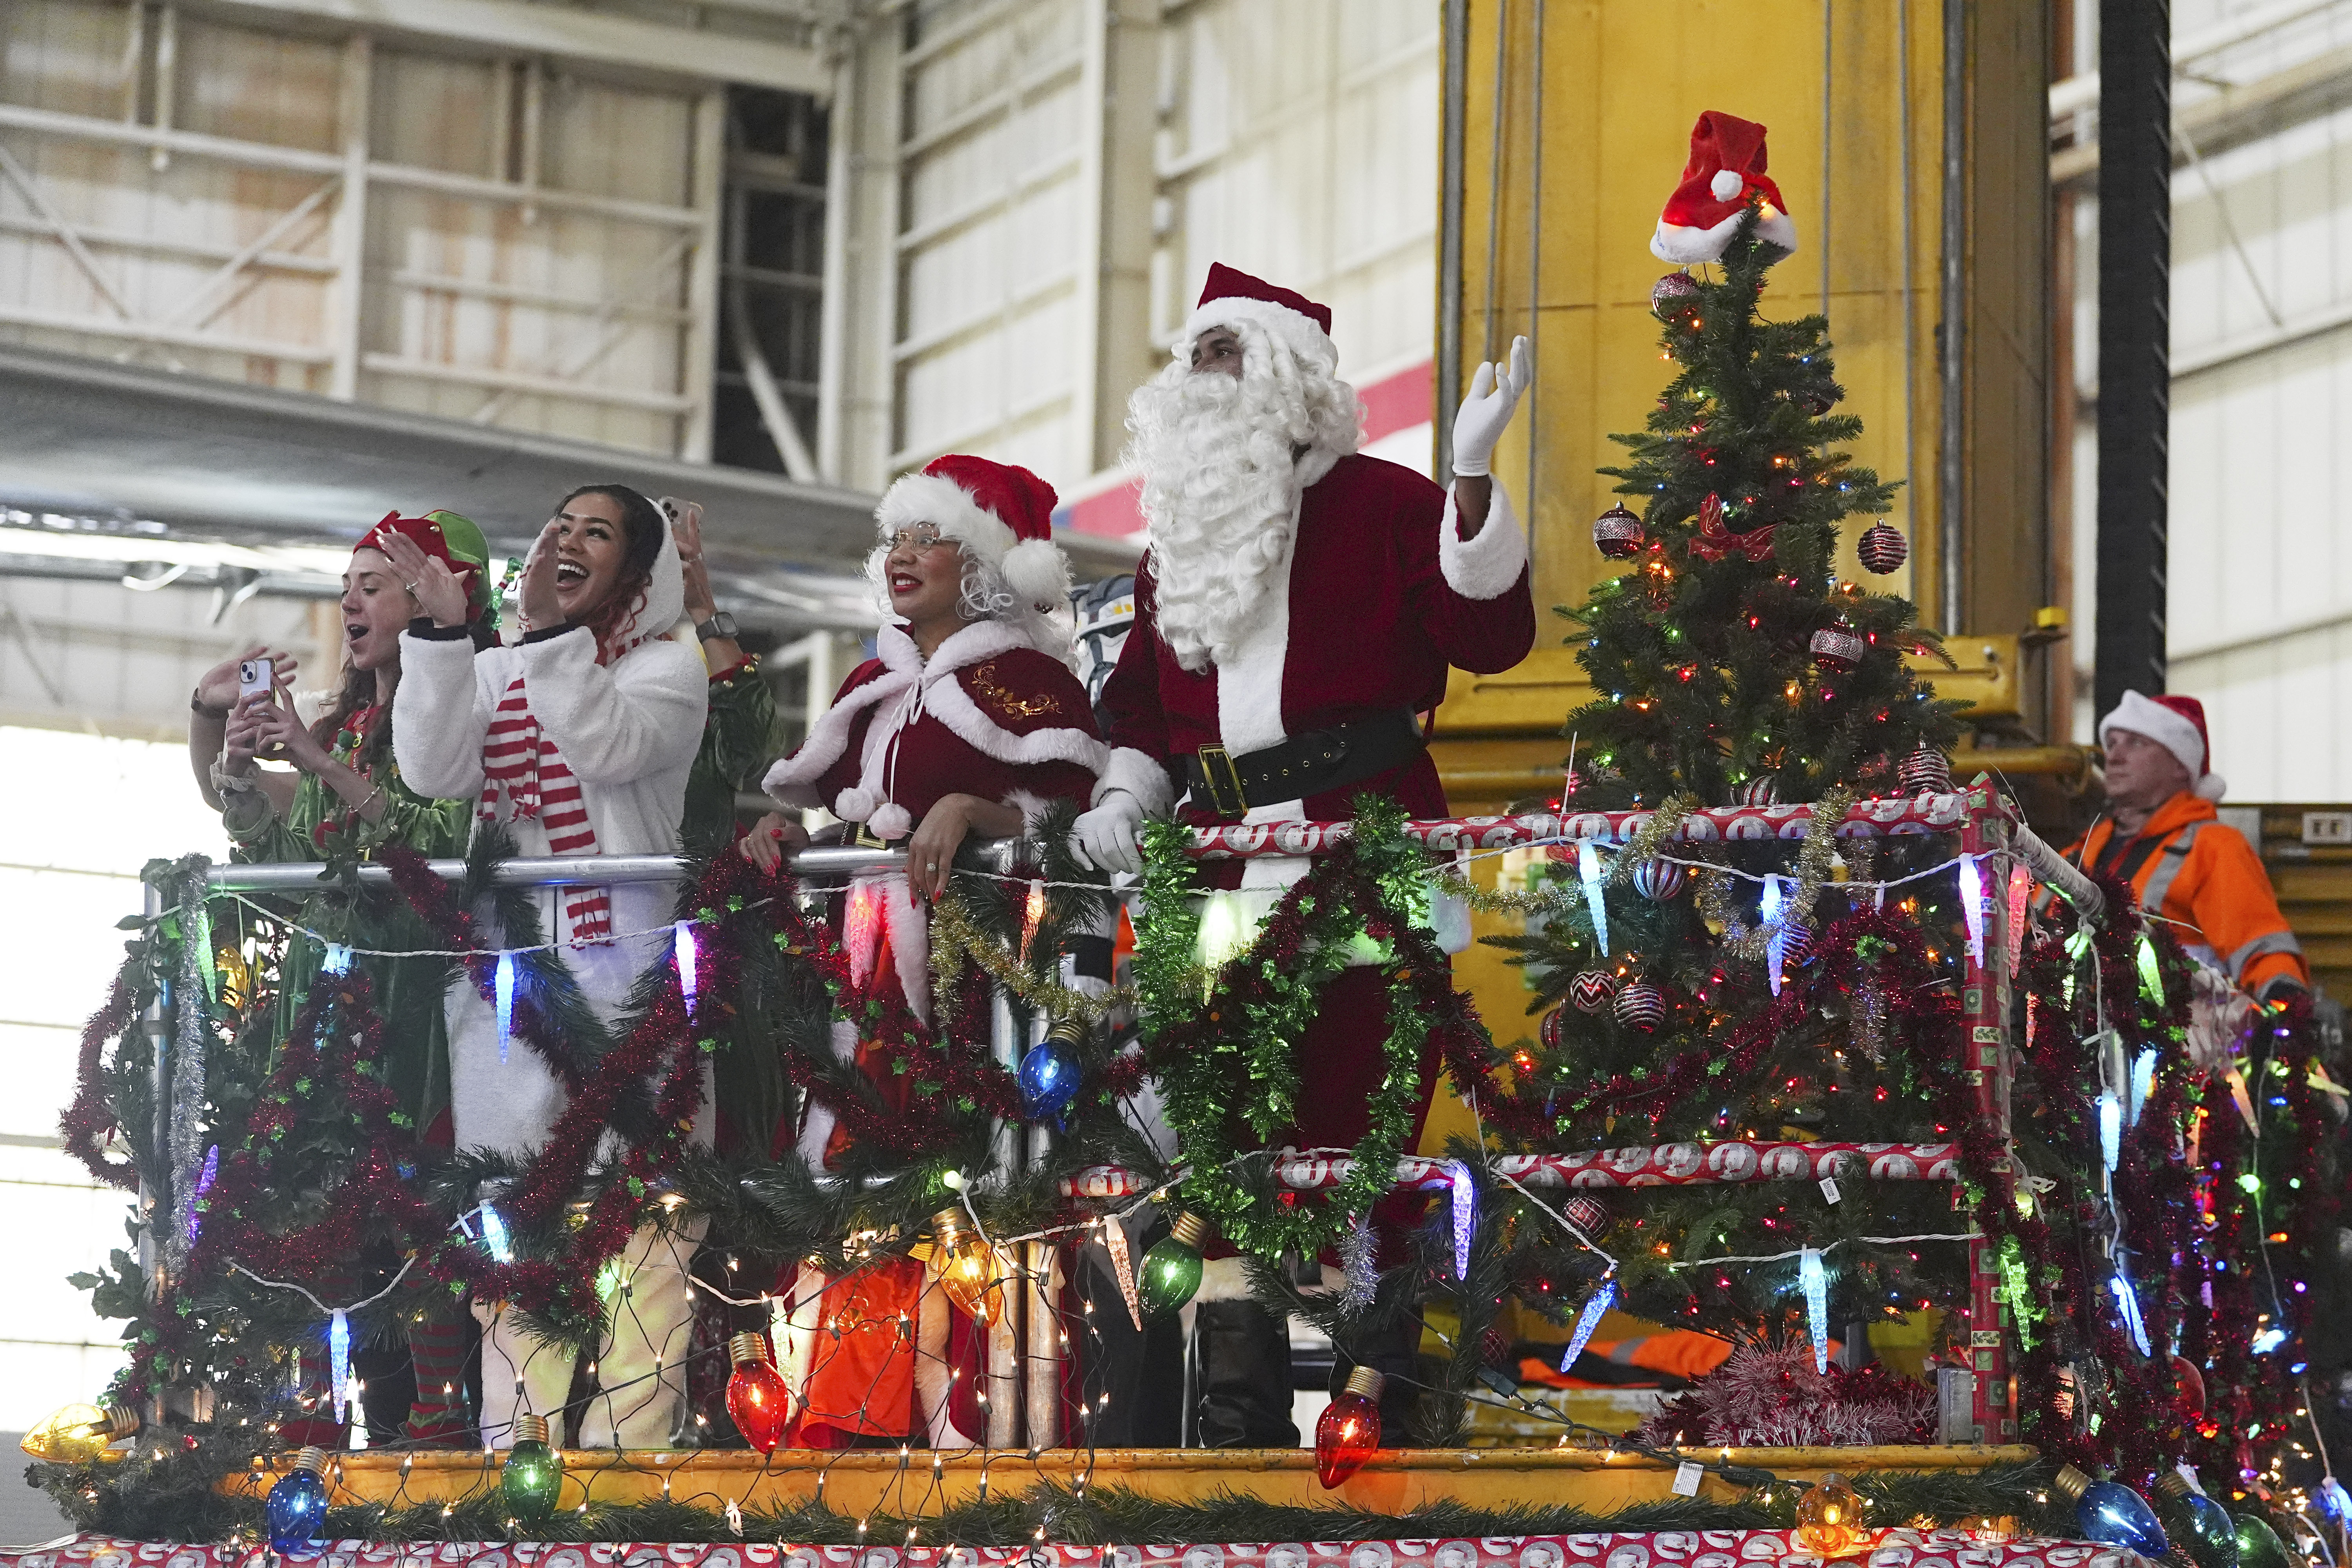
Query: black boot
[[1241, 1360]]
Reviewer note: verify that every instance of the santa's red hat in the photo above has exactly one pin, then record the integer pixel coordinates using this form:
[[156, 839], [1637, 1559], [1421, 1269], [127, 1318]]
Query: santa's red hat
[[1726, 168], [1001, 514], [2176, 723], [1295, 321]]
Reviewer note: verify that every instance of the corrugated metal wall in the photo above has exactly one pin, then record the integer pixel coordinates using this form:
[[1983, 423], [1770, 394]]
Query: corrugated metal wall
[[2261, 596], [488, 238], [1297, 141]]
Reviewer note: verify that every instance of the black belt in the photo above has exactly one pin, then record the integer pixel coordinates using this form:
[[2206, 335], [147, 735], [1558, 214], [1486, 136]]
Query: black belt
[[1313, 764]]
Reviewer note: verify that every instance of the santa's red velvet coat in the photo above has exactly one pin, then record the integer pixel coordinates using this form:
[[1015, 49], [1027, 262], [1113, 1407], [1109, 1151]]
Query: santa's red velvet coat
[[1379, 595]]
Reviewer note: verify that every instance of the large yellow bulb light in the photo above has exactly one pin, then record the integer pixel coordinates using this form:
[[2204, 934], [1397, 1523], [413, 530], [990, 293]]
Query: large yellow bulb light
[[78, 1434]]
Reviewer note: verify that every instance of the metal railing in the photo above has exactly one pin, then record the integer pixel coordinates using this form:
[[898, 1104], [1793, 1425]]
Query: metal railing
[[1025, 1348]]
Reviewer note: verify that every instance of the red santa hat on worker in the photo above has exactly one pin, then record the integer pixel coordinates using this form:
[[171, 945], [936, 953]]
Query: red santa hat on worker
[[1726, 170], [1291, 318], [2178, 724], [1001, 514]]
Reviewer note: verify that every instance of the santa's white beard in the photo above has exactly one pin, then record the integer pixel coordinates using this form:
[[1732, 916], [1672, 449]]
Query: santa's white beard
[[1220, 487]]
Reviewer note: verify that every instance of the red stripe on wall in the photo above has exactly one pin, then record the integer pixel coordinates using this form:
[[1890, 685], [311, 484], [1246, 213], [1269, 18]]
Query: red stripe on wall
[[1392, 404]]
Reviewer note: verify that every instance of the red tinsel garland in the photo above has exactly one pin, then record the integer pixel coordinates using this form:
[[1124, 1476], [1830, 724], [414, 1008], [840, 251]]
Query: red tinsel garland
[[87, 1121]]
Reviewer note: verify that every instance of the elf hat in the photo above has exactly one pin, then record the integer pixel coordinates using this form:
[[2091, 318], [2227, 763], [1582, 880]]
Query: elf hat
[[451, 540], [1726, 168], [1001, 514], [2176, 723], [1295, 321]]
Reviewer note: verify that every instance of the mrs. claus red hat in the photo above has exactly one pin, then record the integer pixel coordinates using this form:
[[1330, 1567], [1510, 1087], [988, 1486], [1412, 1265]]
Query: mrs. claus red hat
[[1000, 513]]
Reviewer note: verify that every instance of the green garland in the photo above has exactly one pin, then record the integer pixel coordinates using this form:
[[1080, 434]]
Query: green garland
[[1225, 1044], [174, 1510]]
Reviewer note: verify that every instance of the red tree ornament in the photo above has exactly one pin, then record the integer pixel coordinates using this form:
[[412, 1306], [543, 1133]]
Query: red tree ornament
[[1838, 647], [1925, 771], [1640, 1006], [1675, 294], [1591, 990], [1883, 550], [1617, 534], [756, 1395], [1349, 1432]]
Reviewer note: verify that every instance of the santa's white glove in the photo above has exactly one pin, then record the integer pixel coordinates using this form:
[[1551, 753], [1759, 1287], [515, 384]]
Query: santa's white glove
[[1105, 837], [1487, 410]]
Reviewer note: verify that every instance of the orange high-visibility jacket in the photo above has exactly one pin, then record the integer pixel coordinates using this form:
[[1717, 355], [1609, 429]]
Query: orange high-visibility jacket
[[2189, 866]]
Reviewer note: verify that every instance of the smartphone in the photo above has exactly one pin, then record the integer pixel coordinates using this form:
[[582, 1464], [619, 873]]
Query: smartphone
[[255, 675]]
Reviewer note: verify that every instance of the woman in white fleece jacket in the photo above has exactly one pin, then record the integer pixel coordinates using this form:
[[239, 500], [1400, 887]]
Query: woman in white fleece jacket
[[577, 739]]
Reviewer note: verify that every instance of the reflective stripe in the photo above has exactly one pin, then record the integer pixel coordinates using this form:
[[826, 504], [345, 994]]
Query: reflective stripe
[[2174, 855], [2277, 941]]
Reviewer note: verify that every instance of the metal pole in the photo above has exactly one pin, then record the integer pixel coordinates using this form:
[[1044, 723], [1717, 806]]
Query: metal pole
[[1008, 1154], [2135, 339], [1453, 111], [1043, 1395], [1951, 466], [156, 1023]]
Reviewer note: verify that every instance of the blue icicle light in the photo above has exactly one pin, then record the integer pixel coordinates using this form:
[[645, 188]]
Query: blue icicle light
[[1816, 1282], [1589, 1319]]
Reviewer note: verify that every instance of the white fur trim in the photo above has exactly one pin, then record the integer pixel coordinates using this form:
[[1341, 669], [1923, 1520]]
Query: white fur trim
[[976, 641], [1298, 333], [1034, 569], [1727, 185], [910, 944], [1139, 775], [948, 507], [1249, 680], [2212, 786], [2175, 733], [1487, 566], [790, 781], [1685, 246], [945, 699]]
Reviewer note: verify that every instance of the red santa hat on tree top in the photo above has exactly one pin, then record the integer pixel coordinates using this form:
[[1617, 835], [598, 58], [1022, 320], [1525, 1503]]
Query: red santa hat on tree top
[[1001, 514], [2176, 723], [1295, 321], [1726, 168]]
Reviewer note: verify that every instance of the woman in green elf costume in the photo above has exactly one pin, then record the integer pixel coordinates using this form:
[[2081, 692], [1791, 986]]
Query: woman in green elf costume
[[345, 796]]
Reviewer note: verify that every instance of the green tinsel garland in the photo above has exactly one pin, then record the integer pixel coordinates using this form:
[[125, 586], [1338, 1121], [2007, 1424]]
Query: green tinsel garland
[[1229, 1056]]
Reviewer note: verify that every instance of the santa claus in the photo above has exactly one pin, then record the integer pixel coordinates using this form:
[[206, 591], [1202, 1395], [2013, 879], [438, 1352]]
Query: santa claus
[[1295, 615]]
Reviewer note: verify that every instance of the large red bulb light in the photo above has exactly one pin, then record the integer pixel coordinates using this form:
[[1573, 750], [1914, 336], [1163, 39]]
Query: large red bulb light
[[1348, 1431], [756, 1395]]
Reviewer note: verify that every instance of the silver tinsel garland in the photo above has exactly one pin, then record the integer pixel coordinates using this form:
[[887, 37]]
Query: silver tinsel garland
[[192, 1021]]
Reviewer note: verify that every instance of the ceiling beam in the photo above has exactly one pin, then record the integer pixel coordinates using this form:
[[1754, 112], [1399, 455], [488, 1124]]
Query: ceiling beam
[[565, 33], [2236, 115]]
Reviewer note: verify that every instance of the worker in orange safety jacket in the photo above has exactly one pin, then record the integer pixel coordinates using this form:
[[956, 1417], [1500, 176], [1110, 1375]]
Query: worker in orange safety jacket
[[2162, 835]]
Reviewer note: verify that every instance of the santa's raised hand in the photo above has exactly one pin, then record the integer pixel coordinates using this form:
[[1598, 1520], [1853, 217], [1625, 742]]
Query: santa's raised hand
[[1486, 413]]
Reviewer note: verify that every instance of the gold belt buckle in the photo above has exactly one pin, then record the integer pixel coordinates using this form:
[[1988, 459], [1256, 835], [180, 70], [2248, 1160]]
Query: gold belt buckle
[[1212, 760], [864, 837]]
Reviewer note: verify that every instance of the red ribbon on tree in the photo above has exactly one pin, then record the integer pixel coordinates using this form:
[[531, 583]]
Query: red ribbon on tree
[[1715, 541]]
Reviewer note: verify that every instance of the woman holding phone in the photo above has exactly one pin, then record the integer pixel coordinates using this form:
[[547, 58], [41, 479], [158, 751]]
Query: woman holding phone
[[575, 741], [345, 795]]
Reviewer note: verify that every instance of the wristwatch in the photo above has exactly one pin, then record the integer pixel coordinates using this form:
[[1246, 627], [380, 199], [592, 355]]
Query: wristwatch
[[720, 625]]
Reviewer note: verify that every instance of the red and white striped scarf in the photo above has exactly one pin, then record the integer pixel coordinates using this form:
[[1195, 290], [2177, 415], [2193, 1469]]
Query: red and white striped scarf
[[523, 768]]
